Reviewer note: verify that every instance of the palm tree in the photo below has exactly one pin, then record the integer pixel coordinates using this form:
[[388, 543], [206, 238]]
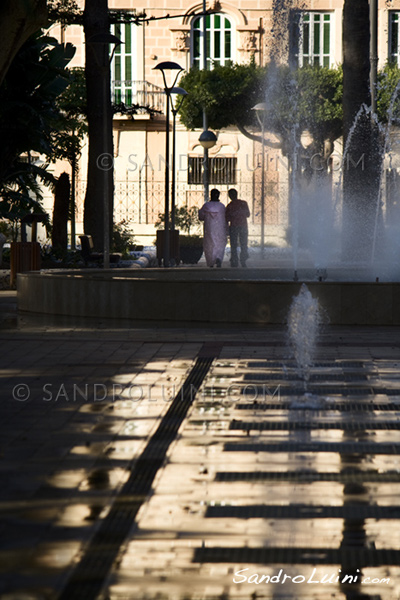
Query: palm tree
[[96, 22]]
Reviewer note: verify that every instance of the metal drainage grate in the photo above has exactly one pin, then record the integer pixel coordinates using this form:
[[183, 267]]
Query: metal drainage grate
[[320, 390], [313, 377], [348, 476], [339, 364], [322, 407], [303, 511], [325, 390], [355, 558], [337, 447], [100, 554], [294, 425]]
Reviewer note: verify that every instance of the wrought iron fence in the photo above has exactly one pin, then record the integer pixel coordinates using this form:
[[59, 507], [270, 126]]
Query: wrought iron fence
[[140, 201]]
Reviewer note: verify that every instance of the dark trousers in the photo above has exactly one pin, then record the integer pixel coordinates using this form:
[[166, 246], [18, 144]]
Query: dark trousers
[[238, 237]]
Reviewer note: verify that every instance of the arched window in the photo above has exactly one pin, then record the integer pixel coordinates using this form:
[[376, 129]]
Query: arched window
[[220, 32]]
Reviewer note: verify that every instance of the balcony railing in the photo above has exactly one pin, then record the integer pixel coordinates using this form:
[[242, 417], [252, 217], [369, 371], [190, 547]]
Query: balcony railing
[[141, 93]]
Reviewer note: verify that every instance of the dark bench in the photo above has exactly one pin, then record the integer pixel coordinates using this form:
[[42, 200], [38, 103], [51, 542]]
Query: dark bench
[[89, 256]]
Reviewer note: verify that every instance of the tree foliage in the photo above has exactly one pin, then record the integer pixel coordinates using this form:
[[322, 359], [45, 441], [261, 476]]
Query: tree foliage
[[71, 125], [68, 12], [30, 121], [388, 96], [65, 12], [19, 20], [226, 93], [307, 99]]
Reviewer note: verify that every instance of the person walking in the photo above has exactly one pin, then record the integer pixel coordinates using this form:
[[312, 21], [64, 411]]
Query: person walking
[[237, 213], [215, 229]]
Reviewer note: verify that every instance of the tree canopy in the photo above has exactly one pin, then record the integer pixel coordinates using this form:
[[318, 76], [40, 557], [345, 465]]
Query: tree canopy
[[308, 99], [19, 19], [30, 120], [388, 96]]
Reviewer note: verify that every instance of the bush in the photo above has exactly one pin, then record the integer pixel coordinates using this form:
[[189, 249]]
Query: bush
[[8, 229], [122, 239], [54, 258], [185, 219]]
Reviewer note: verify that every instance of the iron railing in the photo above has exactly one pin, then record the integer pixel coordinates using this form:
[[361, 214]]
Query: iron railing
[[140, 93], [142, 200]]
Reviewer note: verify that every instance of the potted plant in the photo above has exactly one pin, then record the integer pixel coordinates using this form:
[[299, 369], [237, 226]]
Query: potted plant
[[191, 244]]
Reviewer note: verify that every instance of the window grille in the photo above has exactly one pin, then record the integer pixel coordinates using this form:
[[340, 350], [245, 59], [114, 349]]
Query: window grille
[[222, 170]]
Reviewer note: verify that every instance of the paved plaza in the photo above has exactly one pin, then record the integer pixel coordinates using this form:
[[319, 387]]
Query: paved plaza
[[192, 463]]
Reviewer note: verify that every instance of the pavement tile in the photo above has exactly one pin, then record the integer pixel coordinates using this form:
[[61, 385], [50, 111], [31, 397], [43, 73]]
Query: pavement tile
[[65, 456]]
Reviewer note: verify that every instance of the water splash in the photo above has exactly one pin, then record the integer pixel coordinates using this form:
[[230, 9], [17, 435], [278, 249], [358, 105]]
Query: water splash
[[386, 150], [304, 322]]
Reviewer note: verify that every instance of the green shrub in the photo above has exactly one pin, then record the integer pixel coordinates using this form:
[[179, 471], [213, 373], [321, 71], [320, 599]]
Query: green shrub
[[122, 238], [186, 219]]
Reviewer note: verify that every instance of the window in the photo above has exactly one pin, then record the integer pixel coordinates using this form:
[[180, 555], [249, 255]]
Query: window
[[394, 53], [123, 66], [311, 42], [219, 40], [222, 170]]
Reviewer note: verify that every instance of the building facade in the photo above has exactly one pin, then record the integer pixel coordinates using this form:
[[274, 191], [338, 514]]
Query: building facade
[[305, 33]]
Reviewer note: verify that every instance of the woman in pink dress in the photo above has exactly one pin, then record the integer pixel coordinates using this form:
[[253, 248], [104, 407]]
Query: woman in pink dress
[[215, 230]]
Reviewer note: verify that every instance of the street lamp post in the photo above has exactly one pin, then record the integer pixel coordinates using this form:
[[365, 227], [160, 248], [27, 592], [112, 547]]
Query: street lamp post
[[100, 43], [261, 108], [207, 139], [163, 67], [175, 106], [206, 176]]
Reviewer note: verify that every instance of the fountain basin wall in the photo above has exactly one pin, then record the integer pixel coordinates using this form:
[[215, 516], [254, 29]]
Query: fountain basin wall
[[217, 296]]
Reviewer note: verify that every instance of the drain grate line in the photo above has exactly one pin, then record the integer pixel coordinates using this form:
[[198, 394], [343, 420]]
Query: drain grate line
[[320, 406], [337, 447], [295, 377], [294, 425], [251, 389], [350, 557], [350, 476], [303, 511], [339, 364], [89, 575]]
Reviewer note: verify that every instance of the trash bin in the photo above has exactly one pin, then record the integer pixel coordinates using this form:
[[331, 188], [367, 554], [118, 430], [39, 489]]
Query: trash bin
[[173, 245], [25, 256]]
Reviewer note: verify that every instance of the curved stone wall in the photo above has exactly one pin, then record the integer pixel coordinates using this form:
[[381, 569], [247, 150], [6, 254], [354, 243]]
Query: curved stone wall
[[204, 296]]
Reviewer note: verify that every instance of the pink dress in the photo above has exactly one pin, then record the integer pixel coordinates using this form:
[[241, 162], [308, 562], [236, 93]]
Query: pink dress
[[215, 231]]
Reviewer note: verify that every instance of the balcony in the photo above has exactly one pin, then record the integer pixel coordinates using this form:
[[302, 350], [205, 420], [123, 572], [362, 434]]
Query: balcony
[[141, 93]]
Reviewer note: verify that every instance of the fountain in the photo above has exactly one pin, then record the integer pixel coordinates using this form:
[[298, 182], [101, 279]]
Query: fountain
[[304, 322], [350, 293], [303, 328]]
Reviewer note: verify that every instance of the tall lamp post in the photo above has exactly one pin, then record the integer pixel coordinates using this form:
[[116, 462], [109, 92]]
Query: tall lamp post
[[260, 110], [206, 177], [175, 106], [207, 139], [163, 67], [100, 43]]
